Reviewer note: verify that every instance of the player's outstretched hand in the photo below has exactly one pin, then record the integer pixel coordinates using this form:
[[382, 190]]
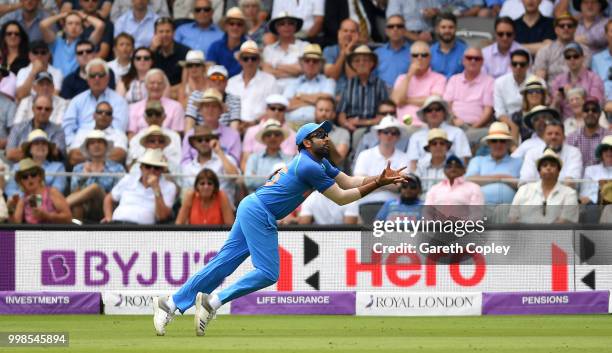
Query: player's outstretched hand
[[390, 176]]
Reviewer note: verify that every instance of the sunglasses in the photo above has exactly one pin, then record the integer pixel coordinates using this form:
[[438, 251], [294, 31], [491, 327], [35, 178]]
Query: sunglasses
[[192, 65], [142, 58], [395, 26], [96, 75], [410, 185], [453, 165], [591, 110], [497, 141], [105, 112], [202, 9], [433, 109], [522, 64], [286, 23], [277, 109], [572, 57], [152, 112], [84, 52], [273, 134], [158, 141], [390, 112], [505, 34], [40, 52], [153, 167], [312, 61], [235, 23], [12, 34], [320, 134], [204, 139], [473, 58], [438, 143], [28, 175], [44, 109], [534, 91], [217, 78], [162, 20], [421, 55], [249, 58], [390, 132], [566, 25]]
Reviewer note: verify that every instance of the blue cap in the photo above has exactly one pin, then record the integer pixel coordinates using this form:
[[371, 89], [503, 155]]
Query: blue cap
[[452, 158], [309, 128]]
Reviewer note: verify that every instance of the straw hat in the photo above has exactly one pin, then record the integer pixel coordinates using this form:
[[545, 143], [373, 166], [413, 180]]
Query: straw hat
[[285, 16], [549, 154], [211, 95], [233, 13], [312, 51], [498, 131], [271, 125], [361, 50], [249, 47], [96, 135], [153, 130], [437, 134], [25, 165], [202, 131], [606, 192], [193, 57], [33, 136], [537, 110], [605, 143], [388, 122], [154, 157], [533, 82], [429, 101]]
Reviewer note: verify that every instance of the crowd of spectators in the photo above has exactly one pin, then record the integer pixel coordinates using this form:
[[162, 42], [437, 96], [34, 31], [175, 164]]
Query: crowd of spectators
[[171, 111]]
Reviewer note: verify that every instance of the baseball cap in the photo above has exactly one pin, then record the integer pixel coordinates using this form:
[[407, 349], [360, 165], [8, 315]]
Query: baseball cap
[[453, 159], [573, 46], [43, 75], [413, 177], [309, 128], [277, 99], [217, 69]]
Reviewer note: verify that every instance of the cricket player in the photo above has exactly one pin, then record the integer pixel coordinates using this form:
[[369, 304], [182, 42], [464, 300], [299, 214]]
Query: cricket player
[[255, 232]]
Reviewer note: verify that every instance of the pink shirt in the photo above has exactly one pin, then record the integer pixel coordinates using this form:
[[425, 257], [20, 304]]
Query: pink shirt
[[424, 86], [587, 79], [469, 98], [250, 144], [462, 192], [175, 115]]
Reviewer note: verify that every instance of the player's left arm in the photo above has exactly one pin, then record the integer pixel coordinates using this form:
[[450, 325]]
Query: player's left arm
[[348, 182]]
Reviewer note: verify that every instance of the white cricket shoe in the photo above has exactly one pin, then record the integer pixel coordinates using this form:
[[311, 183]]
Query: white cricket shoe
[[203, 314], [162, 315]]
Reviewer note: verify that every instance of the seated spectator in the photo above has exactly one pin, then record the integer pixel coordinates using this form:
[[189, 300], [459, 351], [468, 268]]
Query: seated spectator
[[42, 109], [408, 207], [223, 51], [590, 135], [498, 56], [309, 12], [143, 198], [155, 137], [40, 58], [549, 62], [252, 85], [201, 33], [42, 86], [123, 50], [139, 22], [597, 174], [39, 148], [392, 55], [217, 78], [167, 53], [132, 84], [276, 108], [206, 204], [40, 203], [507, 98], [100, 10], [370, 139], [448, 51], [120, 7], [210, 155], [534, 93], [534, 30], [87, 192], [80, 111], [156, 83], [335, 56], [412, 89], [256, 14], [14, 46], [318, 209], [359, 100], [339, 138], [8, 84], [492, 171], [281, 58], [602, 62], [592, 23], [470, 97], [63, 47], [118, 142], [435, 114], [431, 165], [304, 91], [194, 78], [76, 81], [577, 75], [418, 16], [265, 163], [7, 114], [554, 138], [210, 106], [575, 97], [29, 14], [532, 202]]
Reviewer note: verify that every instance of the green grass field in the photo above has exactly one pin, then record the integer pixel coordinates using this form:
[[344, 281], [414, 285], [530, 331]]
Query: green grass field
[[556, 334]]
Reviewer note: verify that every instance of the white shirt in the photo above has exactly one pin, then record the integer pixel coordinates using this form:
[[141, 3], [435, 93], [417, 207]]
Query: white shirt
[[275, 55], [532, 143], [596, 173], [137, 203], [528, 204], [515, 9], [307, 10], [322, 210], [193, 167], [22, 75], [118, 69], [118, 137], [428, 173], [506, 96], [172, 152], [253, 96], [572, 164], [25, 113], [418, 140]]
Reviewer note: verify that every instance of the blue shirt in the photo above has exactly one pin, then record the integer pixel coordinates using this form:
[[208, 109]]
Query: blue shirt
[[601, 64], [105, 182], [196, 37], [330, 54], [58, 182], [319, 84], [396, 209], [222, 55], [392, 62], [64, 55], [448, 64], [141, 31], [495, 193], [290, 186], [79, 114]]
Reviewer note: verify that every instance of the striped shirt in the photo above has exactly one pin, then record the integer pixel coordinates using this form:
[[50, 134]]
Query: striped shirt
[[361, 101], [232, 102], [19, 134], [586, 144]]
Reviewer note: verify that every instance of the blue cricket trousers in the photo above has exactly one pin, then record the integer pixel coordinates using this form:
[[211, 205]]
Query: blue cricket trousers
[[254, 233]]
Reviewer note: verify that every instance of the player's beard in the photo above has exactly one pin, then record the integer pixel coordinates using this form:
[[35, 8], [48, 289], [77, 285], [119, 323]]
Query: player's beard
[[321, 152]]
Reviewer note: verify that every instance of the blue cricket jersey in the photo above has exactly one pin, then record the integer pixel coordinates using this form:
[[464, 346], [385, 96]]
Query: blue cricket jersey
[[290, 186]]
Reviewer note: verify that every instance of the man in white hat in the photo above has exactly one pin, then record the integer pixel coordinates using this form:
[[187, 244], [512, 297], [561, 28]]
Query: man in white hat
[[276, 106], [252, 85], [87, 192], [306, 89], [536, 121], [309, 12], [490, 171], [264, 163], [222, 51], [143, 198], [167, 53], [202, 32]]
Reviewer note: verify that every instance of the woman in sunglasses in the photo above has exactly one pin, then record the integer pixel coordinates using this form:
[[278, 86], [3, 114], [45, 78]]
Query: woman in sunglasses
[[132, 84], [195, 79], [40, 203], [14, 46], [534, 93], [205, 203]]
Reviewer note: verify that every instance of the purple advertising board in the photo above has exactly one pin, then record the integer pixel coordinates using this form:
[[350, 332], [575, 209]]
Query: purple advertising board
[[7, 260], [525, 303], [292, 303], [50, 303]]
